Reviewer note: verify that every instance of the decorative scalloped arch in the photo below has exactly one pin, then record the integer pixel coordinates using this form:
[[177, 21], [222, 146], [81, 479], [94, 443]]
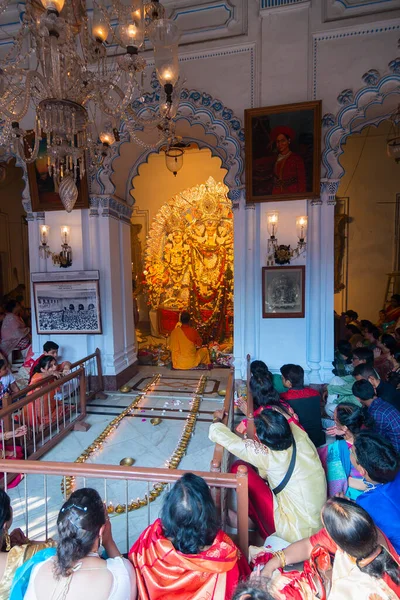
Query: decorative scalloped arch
[[144, 158], [199, 108], [349, 118]]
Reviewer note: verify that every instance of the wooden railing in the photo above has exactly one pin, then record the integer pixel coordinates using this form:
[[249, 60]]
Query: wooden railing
[[36, 508], [250, 403], [220, 466], [49, 409], [218, 463], [94, 375]]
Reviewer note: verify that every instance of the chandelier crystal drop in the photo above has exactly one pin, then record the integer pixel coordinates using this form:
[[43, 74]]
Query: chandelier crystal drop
[[82, 63]]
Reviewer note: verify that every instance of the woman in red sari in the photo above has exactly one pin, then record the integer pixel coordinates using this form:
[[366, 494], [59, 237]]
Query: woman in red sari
[[365, 564], [184, 555]]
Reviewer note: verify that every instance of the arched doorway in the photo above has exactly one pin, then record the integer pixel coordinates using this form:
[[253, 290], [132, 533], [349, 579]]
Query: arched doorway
[[202, 121], [369, 107]]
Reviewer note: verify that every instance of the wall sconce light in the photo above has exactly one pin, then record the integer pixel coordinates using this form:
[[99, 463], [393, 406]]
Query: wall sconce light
[[280, 253], [63, 258], [272, 219]]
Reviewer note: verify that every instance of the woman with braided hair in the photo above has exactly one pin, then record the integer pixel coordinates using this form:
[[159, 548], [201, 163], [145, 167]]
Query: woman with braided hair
[[76, 571], [365, 564]]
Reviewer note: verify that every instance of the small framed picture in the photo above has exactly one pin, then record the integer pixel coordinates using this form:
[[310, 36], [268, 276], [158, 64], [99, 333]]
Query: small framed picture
[[283, 292], [43, 188], [67, 307], [283, 146]]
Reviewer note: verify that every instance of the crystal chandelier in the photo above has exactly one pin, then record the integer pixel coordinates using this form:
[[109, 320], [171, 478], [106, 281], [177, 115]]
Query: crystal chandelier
[[79, 66]]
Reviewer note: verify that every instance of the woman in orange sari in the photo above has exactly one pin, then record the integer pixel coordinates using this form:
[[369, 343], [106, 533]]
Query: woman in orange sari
[[42, 410], [184, 555]]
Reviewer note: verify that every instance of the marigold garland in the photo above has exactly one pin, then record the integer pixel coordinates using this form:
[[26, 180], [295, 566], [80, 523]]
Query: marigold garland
[[172, 463]]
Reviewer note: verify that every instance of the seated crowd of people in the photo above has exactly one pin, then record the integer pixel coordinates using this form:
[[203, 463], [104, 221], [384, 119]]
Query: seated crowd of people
[[330, 510], [324, 501]]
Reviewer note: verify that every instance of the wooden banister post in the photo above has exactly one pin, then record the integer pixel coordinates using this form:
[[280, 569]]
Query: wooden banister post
[[82, 425], [7, 401], [250, 403], [215, 467], [243, 509], [100, 395]]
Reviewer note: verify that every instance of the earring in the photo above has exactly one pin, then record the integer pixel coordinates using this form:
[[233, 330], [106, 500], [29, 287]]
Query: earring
[[100, 540], [8, 541]]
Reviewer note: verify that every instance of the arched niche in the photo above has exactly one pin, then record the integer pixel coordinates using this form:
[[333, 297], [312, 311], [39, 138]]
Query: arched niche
[[371, 105], [200, 119]]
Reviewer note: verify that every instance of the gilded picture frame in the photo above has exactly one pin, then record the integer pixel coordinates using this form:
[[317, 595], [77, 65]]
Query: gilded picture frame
[[282, 152]]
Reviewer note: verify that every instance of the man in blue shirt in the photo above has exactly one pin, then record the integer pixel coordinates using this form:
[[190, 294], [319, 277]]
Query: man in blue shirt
[[383, 389], [386, 417], [379, 464]]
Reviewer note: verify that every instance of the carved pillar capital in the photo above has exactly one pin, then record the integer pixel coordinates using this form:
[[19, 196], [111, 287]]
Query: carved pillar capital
[[238, 197], [110, 207], [329, 188]]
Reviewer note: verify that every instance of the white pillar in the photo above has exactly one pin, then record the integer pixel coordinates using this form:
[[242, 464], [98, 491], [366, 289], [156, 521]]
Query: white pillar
[[109, 252], [313, 312], [250, 283], [328, 194], [239, 248]]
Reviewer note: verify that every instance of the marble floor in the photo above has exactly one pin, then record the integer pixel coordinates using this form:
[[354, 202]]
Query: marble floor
[[135, 437]]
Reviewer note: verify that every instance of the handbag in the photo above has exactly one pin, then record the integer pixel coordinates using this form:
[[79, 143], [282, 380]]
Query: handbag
[[289, 472]]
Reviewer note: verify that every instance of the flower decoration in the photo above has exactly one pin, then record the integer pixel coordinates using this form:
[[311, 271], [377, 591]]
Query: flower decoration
[[371, 77], [171, 463], [328, 120], [394, 65], [345, 97]]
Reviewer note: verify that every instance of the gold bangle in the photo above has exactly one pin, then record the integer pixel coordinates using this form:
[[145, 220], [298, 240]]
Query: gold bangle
[[281, 555]]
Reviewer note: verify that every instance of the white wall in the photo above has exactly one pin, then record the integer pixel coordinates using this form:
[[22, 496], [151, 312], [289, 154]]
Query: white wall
[[276, 343]]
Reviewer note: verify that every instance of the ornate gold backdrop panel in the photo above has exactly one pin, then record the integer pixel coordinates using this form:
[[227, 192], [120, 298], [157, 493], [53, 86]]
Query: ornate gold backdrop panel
[[189, 258]]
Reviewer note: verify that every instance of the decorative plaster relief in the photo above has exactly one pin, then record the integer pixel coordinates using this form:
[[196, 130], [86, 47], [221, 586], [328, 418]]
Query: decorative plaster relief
[[381, 98], [329, 188], [110, 207], [347, 9], [217, 121], [206, 20]]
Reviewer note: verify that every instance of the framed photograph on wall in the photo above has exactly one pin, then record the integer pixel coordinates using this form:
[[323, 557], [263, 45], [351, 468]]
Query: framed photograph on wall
[[283, 146], [283, 292], [67, 307], [43, 189]]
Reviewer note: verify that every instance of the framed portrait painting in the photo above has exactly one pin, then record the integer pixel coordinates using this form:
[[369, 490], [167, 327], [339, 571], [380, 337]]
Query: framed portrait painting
[[283, 292], [67, 307], [283, 145], [43, 188]]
